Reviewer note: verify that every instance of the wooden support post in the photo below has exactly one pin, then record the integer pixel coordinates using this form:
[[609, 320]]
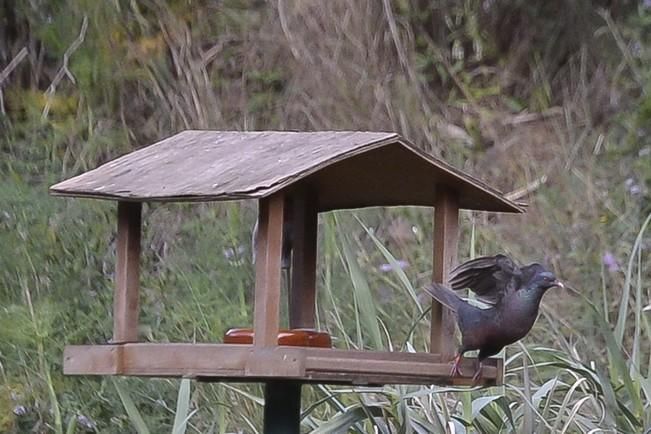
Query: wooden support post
[[282, 407], [446, 239], [127, 273], [266, 321], [302, 293]]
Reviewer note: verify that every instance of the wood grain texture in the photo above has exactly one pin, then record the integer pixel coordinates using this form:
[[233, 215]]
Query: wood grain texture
[[127, 273], [446, 241], [92, 360], [232, 362], [302, 293], [227, 165], [266, 314]]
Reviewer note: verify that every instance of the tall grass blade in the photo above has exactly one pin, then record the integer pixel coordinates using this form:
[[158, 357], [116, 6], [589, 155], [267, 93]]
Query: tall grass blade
[[637, 329], [527, 422], [626, 292], [182, 406], [343, 421], [575, 409], [132, 411], [402, 276], [479, 404], [72, 425], [362, 293]]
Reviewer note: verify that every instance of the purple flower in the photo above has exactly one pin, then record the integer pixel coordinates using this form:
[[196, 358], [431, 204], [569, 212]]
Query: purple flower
[[633, 188], [86, 423], [20, 410], [610, 262], [401, 264], [234, 254]]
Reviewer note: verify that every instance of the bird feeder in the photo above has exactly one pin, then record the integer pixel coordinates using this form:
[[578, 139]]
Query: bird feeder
[[293, 176]]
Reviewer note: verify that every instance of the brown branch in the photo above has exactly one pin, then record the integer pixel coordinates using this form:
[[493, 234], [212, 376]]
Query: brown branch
[[64, 71], [527, 189], [8, 70]]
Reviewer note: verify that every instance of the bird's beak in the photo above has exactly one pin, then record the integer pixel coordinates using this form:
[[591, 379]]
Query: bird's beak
[[559, 284]]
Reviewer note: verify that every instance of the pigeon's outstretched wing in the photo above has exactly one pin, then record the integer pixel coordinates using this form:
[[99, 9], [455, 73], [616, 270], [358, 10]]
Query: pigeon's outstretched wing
[[490, 277]]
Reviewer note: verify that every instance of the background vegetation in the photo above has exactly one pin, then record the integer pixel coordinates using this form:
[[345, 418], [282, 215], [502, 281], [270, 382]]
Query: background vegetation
[[549, 100]]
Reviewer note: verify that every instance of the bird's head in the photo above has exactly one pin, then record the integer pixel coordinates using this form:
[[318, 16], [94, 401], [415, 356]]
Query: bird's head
[[545, 280]]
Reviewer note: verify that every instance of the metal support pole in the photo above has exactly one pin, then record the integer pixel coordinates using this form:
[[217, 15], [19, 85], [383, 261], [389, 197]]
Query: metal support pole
[[282, 407]]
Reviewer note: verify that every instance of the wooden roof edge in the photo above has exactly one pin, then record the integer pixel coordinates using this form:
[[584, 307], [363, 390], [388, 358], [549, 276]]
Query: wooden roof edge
[[511, 206], [180, 198]]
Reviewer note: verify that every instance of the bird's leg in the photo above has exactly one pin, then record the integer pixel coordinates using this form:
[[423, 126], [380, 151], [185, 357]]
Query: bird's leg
[[456, 371], [478, 372]]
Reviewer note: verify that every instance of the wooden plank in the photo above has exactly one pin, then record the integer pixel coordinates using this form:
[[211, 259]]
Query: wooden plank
[[361, 356], [184, 359], [127, 273], [446, 240], [267, 270], [374, 366], [92, 360], [227, 165], [387, 364], [302, 294], [231, 362], [373, 380], [439, 377], [278, 362]]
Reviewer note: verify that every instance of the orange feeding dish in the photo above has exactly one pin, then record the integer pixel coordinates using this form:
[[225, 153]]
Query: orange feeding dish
[[292, 338]]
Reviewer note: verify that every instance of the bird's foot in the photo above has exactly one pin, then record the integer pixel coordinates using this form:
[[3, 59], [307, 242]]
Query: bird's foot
[[456, 371], [478, 375]]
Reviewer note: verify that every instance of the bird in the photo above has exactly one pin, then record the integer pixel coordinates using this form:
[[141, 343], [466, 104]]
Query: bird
[[512, 293]]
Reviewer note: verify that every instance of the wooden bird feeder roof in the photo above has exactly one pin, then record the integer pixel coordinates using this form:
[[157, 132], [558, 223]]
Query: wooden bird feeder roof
[[347, 169]]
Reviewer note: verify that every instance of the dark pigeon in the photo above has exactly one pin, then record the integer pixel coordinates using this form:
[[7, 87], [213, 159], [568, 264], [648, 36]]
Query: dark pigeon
[[513, 294]]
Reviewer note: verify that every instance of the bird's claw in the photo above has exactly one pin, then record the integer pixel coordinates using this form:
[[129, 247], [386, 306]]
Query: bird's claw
[[456, 370]]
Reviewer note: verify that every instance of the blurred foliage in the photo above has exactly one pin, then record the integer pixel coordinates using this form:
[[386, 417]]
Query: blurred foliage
[[551, 96]]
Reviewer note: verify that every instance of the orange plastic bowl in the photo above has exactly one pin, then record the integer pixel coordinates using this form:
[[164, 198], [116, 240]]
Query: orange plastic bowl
[[293, 337]]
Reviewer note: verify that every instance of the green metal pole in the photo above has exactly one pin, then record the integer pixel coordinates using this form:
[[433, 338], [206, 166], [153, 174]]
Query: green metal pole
[[282, 407]]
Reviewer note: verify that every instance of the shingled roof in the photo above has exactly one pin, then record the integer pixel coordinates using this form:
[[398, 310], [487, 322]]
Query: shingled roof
[[346, 169]]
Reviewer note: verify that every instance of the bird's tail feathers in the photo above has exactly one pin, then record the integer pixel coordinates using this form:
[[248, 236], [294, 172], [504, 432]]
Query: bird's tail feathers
[[444, 295]]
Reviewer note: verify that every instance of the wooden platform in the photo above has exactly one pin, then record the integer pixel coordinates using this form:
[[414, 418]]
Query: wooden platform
[[233, 362]]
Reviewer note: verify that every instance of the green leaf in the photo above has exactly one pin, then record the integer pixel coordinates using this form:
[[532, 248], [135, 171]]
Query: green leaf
[[479, 403], [133, 413], [363, 295], [72, 425], [343, 421], [626, 292], [182, 406]]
